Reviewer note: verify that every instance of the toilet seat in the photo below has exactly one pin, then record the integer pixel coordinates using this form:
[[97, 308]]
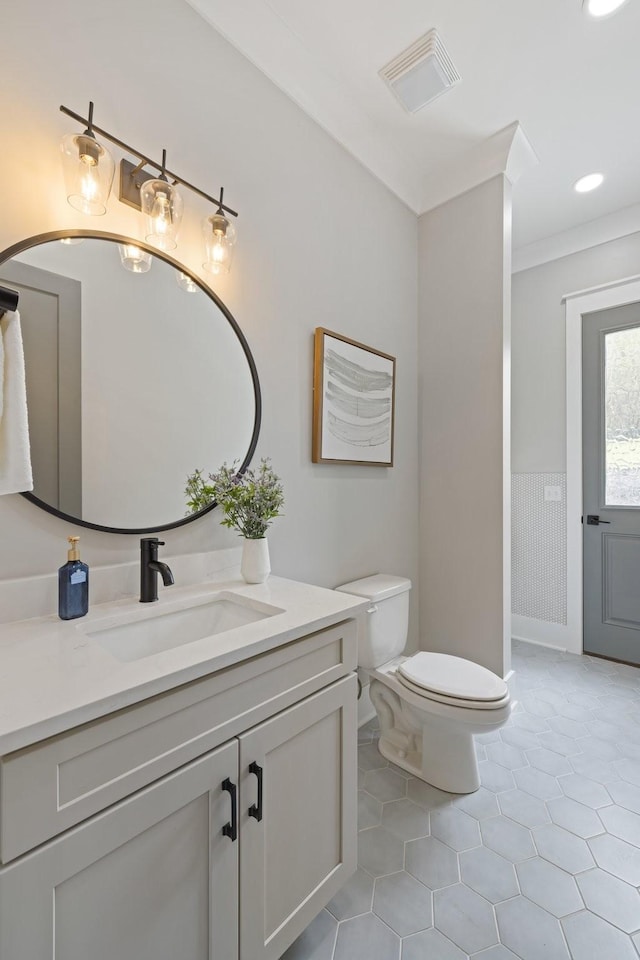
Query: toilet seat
[[453, 680], [484, 705]]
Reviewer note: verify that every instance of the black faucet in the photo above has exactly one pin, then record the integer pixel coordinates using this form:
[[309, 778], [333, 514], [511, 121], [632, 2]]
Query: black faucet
[[150, 567]]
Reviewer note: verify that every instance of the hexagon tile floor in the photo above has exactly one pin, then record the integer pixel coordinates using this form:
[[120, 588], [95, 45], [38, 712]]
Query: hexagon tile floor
[[542, 863]]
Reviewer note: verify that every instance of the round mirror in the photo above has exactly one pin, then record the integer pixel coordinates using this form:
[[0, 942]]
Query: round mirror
[[137, 375]]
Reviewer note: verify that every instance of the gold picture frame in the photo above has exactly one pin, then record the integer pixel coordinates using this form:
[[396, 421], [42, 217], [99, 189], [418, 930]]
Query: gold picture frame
[[353, 402]]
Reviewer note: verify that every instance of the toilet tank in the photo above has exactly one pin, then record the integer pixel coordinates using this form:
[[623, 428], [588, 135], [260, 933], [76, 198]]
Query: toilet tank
[[382, 630]]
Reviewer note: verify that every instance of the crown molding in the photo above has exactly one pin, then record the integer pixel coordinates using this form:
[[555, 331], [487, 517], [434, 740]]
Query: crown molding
[[507, 152], [613, 226]]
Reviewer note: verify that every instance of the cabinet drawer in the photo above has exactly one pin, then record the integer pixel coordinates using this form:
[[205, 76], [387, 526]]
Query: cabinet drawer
[[49, 787]]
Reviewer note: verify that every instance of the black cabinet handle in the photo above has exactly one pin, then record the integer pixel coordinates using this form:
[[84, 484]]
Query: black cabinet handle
[[231, 829], [255, 810]]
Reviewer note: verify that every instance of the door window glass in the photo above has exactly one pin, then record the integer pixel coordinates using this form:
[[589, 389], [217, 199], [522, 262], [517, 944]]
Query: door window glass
[[622, 417]]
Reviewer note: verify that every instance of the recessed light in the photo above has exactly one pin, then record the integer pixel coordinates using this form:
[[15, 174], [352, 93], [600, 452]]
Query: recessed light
[[602, 8], [590, 182]]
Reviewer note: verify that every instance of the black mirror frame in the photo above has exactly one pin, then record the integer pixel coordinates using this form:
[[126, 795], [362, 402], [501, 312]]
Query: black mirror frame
[[41, 238]]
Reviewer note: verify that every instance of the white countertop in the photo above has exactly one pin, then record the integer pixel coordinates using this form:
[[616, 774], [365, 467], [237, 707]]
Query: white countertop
[[54, 676]]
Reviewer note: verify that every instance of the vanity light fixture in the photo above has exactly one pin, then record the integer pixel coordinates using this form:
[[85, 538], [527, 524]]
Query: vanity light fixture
[[154, 195], [133, 258], [591, 182], [162, 206], [602, 8], [220, 237], [88, 170], [186, 283]]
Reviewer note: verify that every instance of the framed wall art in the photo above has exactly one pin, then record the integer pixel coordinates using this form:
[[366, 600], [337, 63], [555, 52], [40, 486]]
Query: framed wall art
[[353, 402]]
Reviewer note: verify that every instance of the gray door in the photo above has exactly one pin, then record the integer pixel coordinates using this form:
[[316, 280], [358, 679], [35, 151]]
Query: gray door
[[611, 482], [50, 315]]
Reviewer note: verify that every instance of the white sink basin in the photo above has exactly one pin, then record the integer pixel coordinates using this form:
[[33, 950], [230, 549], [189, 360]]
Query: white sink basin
[[133, 639]]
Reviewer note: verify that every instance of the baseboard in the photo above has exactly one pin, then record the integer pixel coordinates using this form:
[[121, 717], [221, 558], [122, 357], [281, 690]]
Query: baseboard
[[539, 643], [556, 636]]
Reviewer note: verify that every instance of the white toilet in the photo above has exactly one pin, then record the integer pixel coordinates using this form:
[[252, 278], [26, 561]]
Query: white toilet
[[429, 705]]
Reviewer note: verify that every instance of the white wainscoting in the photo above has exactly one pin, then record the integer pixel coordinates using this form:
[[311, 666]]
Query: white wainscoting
[[539, 548]]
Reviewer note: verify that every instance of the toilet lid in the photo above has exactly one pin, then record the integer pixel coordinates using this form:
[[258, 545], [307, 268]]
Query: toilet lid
[[453, 677]]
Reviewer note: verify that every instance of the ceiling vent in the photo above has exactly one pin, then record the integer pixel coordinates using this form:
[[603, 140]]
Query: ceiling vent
[[421, 73]]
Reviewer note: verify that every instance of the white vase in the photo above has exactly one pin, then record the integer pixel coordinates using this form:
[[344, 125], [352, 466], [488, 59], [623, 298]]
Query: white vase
[[255, 566]]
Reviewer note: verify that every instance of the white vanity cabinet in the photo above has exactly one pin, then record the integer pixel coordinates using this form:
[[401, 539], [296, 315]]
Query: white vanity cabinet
[[152, 877], [304, 848], [228, 854]]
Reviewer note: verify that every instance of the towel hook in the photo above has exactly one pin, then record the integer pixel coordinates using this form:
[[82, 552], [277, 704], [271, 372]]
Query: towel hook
[[8, 300]]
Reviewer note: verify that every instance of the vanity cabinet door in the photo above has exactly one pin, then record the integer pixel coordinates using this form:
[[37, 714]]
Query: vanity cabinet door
[[151, 878], [298, 817]]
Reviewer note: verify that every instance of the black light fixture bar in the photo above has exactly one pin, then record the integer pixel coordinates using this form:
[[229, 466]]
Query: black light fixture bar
[[145, 161]]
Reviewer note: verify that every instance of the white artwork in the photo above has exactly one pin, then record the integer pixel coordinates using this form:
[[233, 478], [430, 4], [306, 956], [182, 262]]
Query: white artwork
[[353, 402]]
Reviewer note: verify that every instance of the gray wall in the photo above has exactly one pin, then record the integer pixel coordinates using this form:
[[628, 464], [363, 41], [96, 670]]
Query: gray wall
[[464, 277], [539, 356], [539, 425], [321, 243]]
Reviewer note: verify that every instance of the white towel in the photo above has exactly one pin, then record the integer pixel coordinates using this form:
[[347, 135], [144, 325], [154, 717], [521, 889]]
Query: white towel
[[15, 454]]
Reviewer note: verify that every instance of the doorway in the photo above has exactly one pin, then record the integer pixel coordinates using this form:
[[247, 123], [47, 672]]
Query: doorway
[[611, 482], [577, 306], [50, 311]]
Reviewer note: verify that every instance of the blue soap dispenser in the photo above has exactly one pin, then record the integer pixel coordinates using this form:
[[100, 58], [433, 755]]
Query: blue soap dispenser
[[73, 584]]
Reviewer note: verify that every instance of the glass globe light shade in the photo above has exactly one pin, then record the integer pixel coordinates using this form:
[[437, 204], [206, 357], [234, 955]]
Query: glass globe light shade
[[88, 173], [133, 258], [220, 237], [162, 206], [185, 282]]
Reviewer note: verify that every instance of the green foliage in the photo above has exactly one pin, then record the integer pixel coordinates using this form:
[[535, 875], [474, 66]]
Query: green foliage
[[622, 373], [199, 493], [249, 501]]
